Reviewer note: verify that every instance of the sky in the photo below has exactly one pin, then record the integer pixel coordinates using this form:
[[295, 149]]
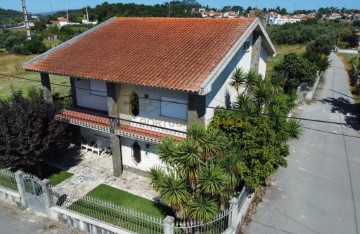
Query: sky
[[40, 6]]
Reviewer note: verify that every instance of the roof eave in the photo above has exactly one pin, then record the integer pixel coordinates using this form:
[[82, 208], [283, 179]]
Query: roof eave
[[62, 45], [206, 85]]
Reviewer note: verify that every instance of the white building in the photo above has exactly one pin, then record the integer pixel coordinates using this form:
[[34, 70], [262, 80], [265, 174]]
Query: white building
[[278, 19], [136, 80]]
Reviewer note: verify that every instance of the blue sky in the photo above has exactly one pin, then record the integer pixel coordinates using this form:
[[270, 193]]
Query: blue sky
[[37, 6]]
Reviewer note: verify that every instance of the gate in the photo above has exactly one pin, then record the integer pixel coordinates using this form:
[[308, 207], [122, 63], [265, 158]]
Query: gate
[[34, 193]]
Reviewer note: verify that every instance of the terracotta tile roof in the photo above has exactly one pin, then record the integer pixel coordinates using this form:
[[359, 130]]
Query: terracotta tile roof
[[171, 53], [94, 121]]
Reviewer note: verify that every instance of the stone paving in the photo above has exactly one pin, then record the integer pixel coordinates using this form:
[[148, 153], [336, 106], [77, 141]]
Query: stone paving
[[91, 170]]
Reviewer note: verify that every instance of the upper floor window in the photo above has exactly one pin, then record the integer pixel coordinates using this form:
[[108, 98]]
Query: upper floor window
[[173, 108], [98, 88], [134, 104], [246, 45]]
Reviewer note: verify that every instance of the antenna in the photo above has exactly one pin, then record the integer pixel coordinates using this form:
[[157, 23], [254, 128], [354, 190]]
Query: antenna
[[169, 8], [26, 20], [87, 14]]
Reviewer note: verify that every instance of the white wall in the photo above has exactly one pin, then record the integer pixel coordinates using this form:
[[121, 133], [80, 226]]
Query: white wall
[[263, 59], [150, 107], [84, 97], [221, 88], [148, 155]]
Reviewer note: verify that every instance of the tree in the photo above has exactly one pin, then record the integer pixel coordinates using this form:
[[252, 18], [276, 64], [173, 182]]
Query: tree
[[39, 26], [296, 70], [28, 130], [203, 177], [323, 44]]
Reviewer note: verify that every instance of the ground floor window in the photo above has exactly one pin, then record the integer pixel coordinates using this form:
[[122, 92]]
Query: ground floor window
[[136, 152]]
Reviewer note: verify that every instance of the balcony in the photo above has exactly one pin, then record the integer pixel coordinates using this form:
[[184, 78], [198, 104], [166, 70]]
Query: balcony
[[98, 121]]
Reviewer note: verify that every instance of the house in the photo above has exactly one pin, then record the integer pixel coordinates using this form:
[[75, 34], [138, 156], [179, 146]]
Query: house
[[356, 17], [136, 80], [62, 21]]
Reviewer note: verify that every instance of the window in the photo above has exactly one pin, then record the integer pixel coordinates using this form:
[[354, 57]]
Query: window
[[136, 152], [98, 88], [246, 45], [173, 108], [134, 104]]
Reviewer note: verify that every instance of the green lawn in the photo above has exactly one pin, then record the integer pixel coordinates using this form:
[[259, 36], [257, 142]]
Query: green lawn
[[139, 217], [11, 64], [131, 201], [59, 177]]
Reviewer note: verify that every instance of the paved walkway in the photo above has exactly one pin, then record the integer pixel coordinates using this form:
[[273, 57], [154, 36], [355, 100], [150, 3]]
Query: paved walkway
[[91, 170], [319, 191], [16, 221]]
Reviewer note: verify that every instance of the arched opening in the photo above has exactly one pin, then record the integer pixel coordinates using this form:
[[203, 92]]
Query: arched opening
[[137, 152], [134, 104]]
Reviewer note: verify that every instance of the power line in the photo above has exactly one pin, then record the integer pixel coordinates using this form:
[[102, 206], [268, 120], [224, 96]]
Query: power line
[[181, 103]]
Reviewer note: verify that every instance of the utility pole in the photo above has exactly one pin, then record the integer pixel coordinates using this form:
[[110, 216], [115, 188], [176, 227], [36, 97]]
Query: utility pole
[[26, 20]]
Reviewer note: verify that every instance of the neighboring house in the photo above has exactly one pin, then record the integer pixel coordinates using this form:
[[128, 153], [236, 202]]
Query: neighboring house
[[136, 80], [278, 19], [356, 17], [62, 21]]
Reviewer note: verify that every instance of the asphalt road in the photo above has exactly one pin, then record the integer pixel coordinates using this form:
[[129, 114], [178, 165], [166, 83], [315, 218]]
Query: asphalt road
[[16, 221], [319, 191]]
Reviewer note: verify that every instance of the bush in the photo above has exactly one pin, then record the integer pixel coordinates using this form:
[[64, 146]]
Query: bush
[[20, 49], [321, 45], [12, 40], [35, 45]]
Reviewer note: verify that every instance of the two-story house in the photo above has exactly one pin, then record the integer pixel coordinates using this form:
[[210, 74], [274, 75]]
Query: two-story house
[[137, 80]]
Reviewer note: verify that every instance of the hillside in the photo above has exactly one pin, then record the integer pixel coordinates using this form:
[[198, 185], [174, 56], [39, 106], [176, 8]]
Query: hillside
[[9, 14]]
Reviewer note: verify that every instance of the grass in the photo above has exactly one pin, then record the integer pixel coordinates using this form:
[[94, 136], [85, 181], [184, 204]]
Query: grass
[[7, 180], [281, 50], [125, 199], [59, 177], [119, 217], [11, 65]]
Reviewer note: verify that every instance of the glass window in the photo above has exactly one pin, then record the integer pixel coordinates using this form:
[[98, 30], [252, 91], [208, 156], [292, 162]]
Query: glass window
[[173, 108], [134, 104], [98, 88]]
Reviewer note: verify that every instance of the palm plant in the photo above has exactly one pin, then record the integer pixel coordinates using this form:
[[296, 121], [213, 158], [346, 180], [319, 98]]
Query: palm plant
[[166, 150], [261, 94], [203, 208], [251, 79], [245, 104], [173, 190], [211, 179], [294, 129], [237, 79]]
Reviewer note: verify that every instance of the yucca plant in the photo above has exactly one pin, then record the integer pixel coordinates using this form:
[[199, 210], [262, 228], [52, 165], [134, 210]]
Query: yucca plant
[[294, 129], [237, 79], [251, 79], [212, 179], [261, 94], [203, 208]]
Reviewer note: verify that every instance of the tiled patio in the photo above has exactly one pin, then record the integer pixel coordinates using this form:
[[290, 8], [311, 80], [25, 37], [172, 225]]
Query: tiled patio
[[91, 170]]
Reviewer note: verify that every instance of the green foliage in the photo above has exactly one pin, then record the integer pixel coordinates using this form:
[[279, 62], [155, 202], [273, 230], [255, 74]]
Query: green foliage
[[296, 70], [28, 131], [202, 179], [321, 45], [39, 26], [321, 61], [18, 44]]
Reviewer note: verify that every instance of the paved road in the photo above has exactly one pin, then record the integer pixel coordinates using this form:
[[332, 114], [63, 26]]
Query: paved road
[[319, 191], [15, 221]]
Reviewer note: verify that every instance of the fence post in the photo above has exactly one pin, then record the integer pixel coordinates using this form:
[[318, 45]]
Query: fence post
[[21, 187], [169, 225], [46, 188], [234, 206]]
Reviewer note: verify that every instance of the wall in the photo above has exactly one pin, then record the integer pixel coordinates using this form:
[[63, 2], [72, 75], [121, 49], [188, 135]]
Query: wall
[[221, 88], [148, 155], [150, 108], [86, 99], [263, 59]]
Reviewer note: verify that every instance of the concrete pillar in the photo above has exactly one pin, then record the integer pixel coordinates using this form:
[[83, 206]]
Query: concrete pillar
[[46, 188], [196, 109], [256, 51], [169, 225], [73, 91], [234, 206], [114, 124], [46, 87], [21, 187]]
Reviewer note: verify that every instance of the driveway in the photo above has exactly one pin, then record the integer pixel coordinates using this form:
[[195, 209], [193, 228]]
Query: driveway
[[319, 191]]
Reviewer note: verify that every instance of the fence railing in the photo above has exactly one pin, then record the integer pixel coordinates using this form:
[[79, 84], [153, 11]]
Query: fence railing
[[114, 214], [217, 225], [7, 180]]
